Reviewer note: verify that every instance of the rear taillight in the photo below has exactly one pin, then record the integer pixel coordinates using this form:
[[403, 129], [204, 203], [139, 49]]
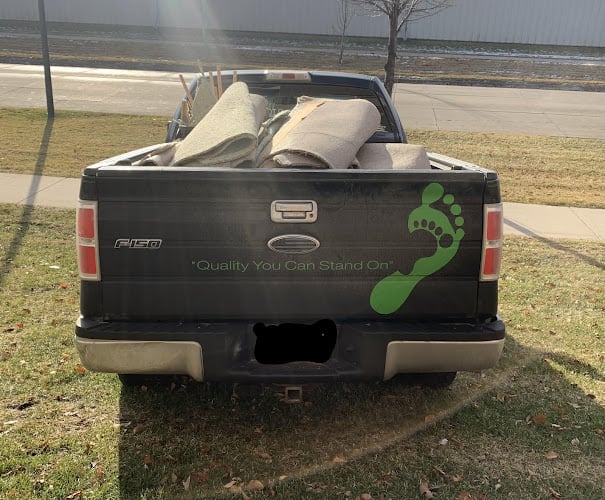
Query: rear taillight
[[288, 76], [88, 241], [491, 256]]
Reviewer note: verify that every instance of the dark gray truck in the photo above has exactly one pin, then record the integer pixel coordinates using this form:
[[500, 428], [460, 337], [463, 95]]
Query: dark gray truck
[[290, 275]]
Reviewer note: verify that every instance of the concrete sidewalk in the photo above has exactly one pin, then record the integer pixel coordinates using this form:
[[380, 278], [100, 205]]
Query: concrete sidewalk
[[536, 221]]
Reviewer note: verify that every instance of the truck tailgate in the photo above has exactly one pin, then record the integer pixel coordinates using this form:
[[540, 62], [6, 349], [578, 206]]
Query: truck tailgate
[[210, 244]]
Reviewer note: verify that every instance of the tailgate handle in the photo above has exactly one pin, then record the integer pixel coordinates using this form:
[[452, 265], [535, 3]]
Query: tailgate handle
[[294, 211]]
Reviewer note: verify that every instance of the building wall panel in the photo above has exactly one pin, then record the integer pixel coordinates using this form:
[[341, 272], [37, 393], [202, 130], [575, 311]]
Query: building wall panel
[[557, 22]]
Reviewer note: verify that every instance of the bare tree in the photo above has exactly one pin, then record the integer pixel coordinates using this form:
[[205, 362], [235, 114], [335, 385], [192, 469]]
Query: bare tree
[[400, 13], [344, 16]]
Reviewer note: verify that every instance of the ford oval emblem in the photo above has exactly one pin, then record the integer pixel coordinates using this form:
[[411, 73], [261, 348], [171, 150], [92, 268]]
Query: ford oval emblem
[[293, 244]]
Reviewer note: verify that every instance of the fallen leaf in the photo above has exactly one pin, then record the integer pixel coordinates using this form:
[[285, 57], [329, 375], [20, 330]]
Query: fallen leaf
[[75, 496], [339, 460], [539, 419], [229, 485], [600, 432], [575, 441], [237, 490], [20, 326], [465, 495], [551, 455], [138, 429], [255, 485], [501, 397], [64, 286], [228, 471], [147, 460], [80, 369], [425, 491], [201, 477], [364, 496], [429, 418], [385, 477], [100, 473], [555, 494], [264, 455], [187, 483]]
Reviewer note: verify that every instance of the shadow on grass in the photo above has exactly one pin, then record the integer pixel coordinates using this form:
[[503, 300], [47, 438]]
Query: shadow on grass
[[188, 437], [26, 215], [556, 245]]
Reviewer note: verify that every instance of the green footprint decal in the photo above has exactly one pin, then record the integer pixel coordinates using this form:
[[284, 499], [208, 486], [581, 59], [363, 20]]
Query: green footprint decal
[[390, 293]]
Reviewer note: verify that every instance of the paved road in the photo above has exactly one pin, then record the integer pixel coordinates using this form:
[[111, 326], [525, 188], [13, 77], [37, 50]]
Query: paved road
[[430, 107]]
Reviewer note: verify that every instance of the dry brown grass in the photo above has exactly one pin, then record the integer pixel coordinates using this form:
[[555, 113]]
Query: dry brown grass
[[74, 140], [532, 169]]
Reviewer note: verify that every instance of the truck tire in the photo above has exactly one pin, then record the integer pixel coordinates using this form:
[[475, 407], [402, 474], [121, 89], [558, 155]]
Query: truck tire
[[132, 380], [438, 380]]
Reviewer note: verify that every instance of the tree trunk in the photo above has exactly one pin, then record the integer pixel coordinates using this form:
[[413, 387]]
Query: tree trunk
[[389, 67], [342, 46]]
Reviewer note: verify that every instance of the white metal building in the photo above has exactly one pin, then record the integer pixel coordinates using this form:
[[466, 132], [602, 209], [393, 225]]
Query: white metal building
[[556, 22]]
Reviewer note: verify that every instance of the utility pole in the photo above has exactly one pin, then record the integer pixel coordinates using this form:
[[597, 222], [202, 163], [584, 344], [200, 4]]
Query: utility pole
[[50, 105]]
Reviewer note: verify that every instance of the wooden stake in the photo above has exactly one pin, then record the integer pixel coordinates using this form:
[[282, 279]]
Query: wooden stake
[[187, 92], [212, 85]]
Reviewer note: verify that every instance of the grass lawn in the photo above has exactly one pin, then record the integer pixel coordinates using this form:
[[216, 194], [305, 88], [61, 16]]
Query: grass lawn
[[532, 169], [534, 427]]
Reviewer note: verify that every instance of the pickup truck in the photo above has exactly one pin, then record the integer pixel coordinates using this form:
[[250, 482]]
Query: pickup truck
[[290, 275]]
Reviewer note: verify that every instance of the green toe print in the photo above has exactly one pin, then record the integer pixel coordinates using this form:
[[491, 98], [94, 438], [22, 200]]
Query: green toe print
[[392, 291]]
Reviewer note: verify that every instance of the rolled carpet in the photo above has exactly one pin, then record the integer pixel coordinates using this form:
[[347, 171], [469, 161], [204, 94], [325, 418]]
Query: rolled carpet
[[392, 156], [322, 133], [227, 134]]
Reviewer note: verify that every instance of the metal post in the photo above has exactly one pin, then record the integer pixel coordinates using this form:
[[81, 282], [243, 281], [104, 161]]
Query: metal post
[[203, 22], [50, 105]]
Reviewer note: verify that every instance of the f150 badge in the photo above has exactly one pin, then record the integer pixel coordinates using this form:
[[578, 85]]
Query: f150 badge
[[150, 244]]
